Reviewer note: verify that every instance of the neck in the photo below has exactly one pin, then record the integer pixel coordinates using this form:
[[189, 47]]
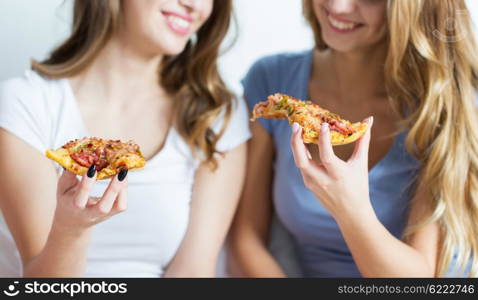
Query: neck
[[120, 72], [358, 74]]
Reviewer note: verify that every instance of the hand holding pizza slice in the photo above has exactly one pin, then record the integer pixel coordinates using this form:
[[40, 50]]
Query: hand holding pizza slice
[[310, 117], [108, 156]]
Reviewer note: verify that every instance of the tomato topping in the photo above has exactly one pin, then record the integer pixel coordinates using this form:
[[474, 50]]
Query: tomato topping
[[86, 158]]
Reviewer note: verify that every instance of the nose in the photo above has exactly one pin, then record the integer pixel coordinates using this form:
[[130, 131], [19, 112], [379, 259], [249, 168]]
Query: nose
[[341, 6], [189, 4]]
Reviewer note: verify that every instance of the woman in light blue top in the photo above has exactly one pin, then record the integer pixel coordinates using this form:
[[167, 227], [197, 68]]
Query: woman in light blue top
[[402, 200]]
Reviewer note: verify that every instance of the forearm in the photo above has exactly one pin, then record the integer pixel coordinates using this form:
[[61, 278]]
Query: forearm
[[377, 252], [251, 258], [191, 271], [64, 255], [184, 266]]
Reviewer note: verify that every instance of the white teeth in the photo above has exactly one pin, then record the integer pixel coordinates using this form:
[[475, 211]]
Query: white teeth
[[179, 22], [341, 25]]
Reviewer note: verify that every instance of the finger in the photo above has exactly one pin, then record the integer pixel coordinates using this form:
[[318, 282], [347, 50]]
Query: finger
[[326, 152], [84, 188], [66, 182], [299, 150], [309, 156], [303, 159], [92, 201], [121, 203], [114, 188], [317, 173], [363, 143]]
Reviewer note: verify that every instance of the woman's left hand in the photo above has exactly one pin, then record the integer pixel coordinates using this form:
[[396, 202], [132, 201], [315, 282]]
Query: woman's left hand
[[341, 186]]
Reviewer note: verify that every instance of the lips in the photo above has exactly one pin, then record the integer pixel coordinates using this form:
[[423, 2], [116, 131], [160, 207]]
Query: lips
[[178, 23], [341, 25]]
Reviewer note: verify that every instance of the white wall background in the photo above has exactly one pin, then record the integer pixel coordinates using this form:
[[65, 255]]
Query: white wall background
[[31, 28]]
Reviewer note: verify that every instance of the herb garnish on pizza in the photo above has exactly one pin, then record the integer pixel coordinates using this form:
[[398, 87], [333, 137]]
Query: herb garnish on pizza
[[310, 117], [108, 156]]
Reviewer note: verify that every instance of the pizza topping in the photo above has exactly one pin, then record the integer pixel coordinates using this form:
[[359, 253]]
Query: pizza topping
[[99, 152], [85, 159], [290, 110], [108, 157], [310, 117], [306, 113], [339, 125], [292, 105], [282, 103]]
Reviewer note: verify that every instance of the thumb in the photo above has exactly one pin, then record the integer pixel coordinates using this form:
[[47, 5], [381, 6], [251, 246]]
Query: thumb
[[66, 182]]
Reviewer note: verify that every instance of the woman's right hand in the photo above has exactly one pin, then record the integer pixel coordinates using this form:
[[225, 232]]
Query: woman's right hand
[[76, 211]]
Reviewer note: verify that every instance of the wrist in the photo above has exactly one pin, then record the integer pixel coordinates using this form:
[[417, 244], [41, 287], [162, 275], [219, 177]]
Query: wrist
[[61, 232], [356, 216]]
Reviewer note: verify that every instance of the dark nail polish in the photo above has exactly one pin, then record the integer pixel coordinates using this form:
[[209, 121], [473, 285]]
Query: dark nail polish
[[122, 174], [91, 171]]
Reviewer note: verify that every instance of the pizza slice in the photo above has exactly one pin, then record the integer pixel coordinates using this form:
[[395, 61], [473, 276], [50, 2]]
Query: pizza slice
[[109, 156], [310, 117]]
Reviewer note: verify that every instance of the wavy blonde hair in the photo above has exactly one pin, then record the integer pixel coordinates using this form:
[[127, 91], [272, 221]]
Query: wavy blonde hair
[[192, 77], [431, 75]]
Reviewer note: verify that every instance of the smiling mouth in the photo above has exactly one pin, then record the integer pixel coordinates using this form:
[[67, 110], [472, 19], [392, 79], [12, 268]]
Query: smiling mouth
[[178, 24], [342, 25]]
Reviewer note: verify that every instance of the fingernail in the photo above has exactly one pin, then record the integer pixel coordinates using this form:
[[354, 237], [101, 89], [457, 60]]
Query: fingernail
[[122, 174], [325, 126], [370, 120], [91, 171], [295, 127]]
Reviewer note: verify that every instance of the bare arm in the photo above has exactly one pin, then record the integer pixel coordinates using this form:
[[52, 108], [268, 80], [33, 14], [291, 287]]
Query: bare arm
[[378, 253], [250, 230], [342, 187], [51, 236], [214, 200]]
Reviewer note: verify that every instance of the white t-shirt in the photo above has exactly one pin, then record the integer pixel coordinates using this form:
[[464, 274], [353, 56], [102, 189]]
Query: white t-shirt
[[141, 241]]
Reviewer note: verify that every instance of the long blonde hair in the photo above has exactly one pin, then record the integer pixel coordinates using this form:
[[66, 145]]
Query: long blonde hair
[[431, 75], [192, 77]]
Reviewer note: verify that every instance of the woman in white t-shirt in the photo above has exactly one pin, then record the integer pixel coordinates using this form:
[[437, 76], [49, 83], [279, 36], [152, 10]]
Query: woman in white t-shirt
[[140, 70]]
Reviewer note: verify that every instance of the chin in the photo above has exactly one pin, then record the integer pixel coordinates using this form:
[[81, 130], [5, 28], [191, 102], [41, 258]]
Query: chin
[[173, 51], [341, 47], [171, 46], [169, 50]]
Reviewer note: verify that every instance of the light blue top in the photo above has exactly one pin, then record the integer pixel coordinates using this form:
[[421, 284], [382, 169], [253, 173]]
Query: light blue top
[[321, 248]]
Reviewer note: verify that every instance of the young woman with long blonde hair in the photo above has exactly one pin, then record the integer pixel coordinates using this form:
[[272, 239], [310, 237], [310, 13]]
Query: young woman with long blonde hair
[[407, 205], [140, 70]]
